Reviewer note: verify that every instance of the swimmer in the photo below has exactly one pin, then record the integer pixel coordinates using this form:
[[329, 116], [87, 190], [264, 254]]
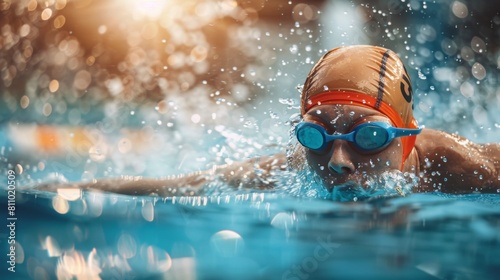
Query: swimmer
[[356, 123]]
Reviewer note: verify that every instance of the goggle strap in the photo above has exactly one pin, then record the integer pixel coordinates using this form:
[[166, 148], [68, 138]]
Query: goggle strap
[[355, 98]]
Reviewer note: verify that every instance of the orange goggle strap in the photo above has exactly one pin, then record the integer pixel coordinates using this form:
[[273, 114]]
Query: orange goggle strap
[[364, 100]]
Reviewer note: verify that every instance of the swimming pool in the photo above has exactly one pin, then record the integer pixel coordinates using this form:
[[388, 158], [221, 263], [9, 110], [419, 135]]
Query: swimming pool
[[257, 236], [242, 108]]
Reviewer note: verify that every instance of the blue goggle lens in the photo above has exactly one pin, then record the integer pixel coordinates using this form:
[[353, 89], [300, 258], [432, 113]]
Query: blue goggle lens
[[371, 137], [310, 137]]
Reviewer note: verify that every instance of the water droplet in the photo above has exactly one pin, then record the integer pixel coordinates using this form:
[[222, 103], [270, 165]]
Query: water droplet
[[87, 176], [478, 71], [127, 246], [477, 44], [286, 101], [46, 14], [421, 75], [98, 153], [25, 101], [19, 169], [300, 87], [195, 118]]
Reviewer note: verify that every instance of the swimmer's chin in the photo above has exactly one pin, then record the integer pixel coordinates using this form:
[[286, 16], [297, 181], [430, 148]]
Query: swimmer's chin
[[332, 185], [349, 191]]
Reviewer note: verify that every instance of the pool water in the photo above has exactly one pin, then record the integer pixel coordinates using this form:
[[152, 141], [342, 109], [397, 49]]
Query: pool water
[[256, 235]]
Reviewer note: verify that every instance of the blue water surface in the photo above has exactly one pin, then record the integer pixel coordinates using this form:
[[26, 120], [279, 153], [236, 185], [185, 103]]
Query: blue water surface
[[256, 235]]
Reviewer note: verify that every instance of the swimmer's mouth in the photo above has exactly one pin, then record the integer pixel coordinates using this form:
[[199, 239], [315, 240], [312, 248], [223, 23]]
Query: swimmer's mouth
[[349, 191], [386, 185], [346, 183]]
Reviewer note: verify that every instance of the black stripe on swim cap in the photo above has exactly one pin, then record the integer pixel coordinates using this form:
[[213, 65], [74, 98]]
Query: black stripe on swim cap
[[381, 80]]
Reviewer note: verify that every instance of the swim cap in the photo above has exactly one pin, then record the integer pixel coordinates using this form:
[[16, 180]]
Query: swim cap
[[366, 76]]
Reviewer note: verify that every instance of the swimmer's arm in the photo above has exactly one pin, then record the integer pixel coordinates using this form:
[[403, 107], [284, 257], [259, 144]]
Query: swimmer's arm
[[453, 164], [134, 185], [254, 173], [492, 152]]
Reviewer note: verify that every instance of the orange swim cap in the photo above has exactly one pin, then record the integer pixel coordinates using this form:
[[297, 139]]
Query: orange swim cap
[[366, 76]]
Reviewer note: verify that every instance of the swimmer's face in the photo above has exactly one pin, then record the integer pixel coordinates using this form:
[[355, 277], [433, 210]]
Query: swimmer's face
[[341, 162]]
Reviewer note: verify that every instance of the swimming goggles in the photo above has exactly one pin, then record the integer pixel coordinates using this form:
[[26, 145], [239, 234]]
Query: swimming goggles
[[367, 137]]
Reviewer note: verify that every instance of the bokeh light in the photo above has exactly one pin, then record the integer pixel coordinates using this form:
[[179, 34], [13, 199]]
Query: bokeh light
[[109, 89]]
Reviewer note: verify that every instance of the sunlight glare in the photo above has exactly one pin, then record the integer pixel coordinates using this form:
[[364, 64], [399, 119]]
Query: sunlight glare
[[147, 8]]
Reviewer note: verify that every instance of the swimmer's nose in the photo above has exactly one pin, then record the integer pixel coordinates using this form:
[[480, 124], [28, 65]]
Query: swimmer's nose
[[340, 161]]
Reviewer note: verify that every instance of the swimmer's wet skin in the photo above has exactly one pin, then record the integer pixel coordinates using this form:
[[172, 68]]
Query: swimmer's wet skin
[[357, 123], [247, 174]]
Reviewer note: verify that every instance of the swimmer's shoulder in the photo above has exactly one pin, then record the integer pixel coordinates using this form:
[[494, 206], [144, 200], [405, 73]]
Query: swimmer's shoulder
[[442, 151], [436, 142], [457, 161], [430, 141]]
